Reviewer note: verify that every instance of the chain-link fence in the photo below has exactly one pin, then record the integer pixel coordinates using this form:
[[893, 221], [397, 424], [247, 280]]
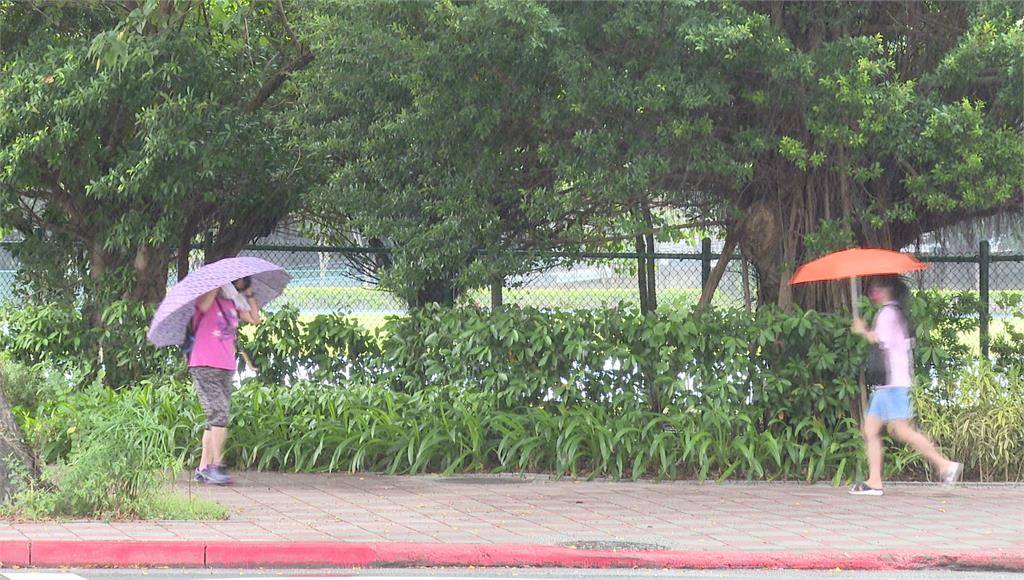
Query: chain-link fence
[[8, 270], [332, 279], [327, 280], [336, 280]]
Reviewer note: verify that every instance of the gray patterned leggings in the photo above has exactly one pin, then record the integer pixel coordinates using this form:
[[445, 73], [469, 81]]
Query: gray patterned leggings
[[214, 388]]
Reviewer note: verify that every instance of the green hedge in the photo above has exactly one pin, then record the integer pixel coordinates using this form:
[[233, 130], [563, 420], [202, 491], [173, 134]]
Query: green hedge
[[312, 426], [529, 355]]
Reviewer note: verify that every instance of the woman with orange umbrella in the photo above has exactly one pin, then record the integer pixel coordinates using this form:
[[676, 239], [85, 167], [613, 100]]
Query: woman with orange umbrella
[[891, 368], [890, 402]]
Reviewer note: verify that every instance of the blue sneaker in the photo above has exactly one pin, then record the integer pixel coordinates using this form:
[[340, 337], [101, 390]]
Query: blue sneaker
[[217, 475]]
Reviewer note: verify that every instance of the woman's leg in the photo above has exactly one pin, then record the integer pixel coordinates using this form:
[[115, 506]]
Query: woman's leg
[[904, 431], [215, 398], [873, 442], [219, 430], [205, 459], [218, 437]]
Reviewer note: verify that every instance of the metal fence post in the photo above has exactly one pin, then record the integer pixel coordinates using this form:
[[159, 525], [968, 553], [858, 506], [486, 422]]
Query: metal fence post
[[984, 259], [497, 292], [705, 262], [207, 246]]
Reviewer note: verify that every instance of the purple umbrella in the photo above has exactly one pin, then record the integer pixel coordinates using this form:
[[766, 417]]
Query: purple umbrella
[[171, 318]]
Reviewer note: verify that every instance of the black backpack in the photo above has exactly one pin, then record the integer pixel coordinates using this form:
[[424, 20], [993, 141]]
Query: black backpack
[[190, 339]]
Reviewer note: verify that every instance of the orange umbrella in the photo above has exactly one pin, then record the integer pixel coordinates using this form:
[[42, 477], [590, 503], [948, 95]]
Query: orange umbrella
[[854, 263]]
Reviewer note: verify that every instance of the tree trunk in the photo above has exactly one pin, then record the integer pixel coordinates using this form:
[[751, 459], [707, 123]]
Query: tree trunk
[[435, 291], [641, 274], [17, 460], [98, 262], [496, 293], [759, 238], [184, 251], [151, 267], [708, 292]]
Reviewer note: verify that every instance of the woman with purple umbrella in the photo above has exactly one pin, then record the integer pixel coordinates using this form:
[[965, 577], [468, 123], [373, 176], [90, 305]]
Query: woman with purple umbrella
[[212, 364], [201, 315]]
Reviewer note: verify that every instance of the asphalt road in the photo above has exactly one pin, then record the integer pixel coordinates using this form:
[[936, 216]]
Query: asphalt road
[[492, 573]]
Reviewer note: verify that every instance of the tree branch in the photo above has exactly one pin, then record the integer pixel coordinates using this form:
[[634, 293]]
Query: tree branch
[[618, 238], [303, 57], [708, 292]]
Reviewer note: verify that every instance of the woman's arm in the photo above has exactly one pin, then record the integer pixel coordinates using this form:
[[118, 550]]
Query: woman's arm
[[252, 316], [860, 327], [206, 300]]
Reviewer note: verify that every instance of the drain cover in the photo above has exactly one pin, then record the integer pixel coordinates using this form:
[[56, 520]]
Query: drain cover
[[612, 546]]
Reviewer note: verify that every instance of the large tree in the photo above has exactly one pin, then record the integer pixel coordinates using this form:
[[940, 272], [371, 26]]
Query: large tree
[[882, 121], [127, 131], [794, 128], [132, 130], [430, 126], [801, 127]]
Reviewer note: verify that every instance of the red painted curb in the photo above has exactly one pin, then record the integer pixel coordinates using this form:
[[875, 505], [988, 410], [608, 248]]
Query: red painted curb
[[117, 554], [14, 553], [554, 556], [246, 554], [343, 554]]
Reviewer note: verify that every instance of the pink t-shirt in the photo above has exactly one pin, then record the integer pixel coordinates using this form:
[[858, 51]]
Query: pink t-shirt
[[891, 330], [215, 336]]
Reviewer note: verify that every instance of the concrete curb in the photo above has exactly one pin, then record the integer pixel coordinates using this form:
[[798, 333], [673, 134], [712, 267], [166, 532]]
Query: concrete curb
[[118, 554]]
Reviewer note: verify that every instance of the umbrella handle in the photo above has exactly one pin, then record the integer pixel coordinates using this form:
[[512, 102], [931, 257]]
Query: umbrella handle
[[855, 296]]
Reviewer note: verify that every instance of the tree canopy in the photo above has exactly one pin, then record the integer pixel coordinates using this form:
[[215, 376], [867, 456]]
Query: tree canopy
[[129, 130], [464, 136]]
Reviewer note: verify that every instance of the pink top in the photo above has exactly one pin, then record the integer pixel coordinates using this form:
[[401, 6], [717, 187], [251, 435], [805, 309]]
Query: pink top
[[215, 336], [891, 330]]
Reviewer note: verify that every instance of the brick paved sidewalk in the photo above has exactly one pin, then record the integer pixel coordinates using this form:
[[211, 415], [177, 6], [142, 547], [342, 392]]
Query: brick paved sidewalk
[[758, 517]]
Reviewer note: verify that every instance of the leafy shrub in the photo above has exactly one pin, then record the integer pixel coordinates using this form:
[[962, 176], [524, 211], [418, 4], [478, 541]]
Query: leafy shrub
[[529, 355], [126, 355], [28, 386], [57, 424], [60, 336], [120, 453], [676, 393], [1007, 348], [978, 418], [941, 319], [330, 346], [31, 333], [312, 426]]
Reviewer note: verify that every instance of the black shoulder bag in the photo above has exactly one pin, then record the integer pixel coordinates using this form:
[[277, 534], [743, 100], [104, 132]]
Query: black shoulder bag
[[877, 371]]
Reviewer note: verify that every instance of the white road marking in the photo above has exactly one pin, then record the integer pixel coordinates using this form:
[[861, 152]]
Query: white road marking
[[42, 576]]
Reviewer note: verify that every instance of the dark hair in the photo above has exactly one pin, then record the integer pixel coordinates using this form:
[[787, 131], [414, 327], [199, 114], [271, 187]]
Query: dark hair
[[900, 290], [246, 283]]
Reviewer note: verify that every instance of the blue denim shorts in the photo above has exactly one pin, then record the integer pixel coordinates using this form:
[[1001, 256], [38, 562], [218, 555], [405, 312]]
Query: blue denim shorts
[[891, 404]]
